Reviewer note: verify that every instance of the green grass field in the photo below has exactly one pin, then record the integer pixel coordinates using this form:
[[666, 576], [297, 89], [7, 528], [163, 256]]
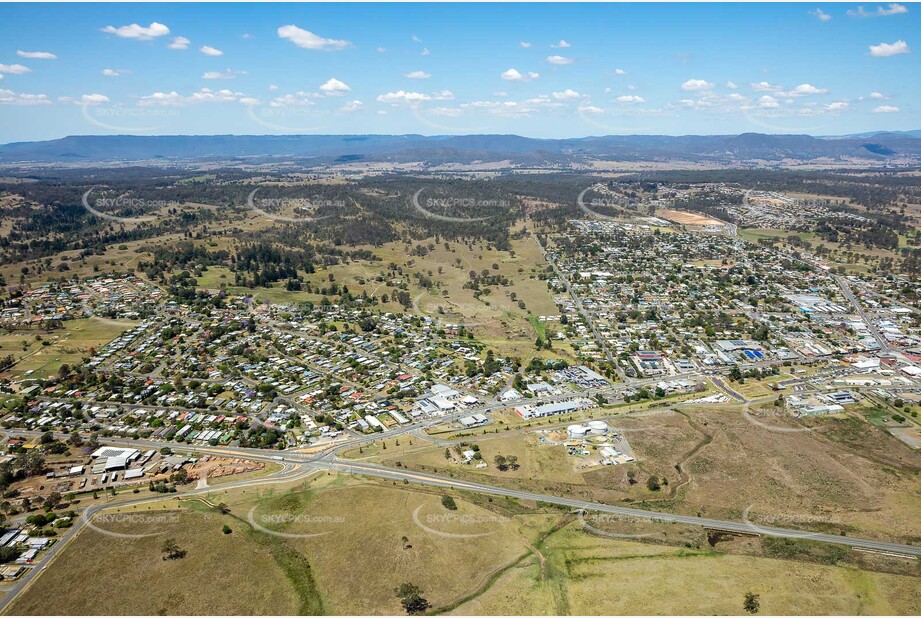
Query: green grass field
[[70, 344]]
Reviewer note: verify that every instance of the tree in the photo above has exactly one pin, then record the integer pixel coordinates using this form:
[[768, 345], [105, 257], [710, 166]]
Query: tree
[[448, 503], [410, 596], [171, 550], [226, 529], [752, 603], [653, 483]]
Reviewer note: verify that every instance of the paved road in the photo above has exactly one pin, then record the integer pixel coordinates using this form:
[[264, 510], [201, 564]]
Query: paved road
[[289, 472], [301, 463], [741, 527], [846, 288]]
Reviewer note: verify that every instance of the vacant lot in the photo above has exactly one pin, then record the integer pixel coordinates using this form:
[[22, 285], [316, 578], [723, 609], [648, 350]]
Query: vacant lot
[[68, 345], [104, 575], [582, 574], [839, 475], [309, 549], [687, 218]]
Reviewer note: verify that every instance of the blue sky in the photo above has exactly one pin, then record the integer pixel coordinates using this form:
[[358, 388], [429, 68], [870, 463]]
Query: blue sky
[[541, 70]]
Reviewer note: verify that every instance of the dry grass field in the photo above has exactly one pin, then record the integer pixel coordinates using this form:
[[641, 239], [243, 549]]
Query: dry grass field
[[335, 539], [340, 545], [683, 217], [99, 574], [588, 575], [842, 475]]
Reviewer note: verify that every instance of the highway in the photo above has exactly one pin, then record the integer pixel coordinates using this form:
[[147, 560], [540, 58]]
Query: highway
[[849, 294], [655, 516], [299, 464]]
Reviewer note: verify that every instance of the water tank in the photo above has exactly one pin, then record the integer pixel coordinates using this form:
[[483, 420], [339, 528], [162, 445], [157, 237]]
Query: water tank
[[577, 431], [598, 426]]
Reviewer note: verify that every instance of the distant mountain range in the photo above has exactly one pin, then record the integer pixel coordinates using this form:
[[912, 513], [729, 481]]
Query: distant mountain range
[[903, 147]]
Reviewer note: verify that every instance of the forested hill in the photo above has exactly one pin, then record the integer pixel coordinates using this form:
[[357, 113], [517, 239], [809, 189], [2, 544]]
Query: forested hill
[[324, 149]]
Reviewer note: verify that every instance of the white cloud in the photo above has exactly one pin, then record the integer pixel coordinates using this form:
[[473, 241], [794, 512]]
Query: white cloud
[[619, 72], [878, 95], [889, 49], [607, 90], [210, 51], [351, 106], [450, 112], [731, 85], [228, 74], [525, 44], [334, 88], [425, 52], [249, 101], [559, 60], [766, 87], [566, 95], [807, 89], [272, 87], [381, 50], [308, 40], [591, 109], [298, 99], [885, 109], [886, 11], [110, 73], [696, 84], [417, 75], [246, 36], [401, 97], [837, 106], [135, 31], [205, 95], [179, 42], [86, 99], [500, 94], [820, 14], [8, 97], [768, 102], [416, 39], [36, 55], [513, 75], [14, 69], [630, 98], [561, 45]]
